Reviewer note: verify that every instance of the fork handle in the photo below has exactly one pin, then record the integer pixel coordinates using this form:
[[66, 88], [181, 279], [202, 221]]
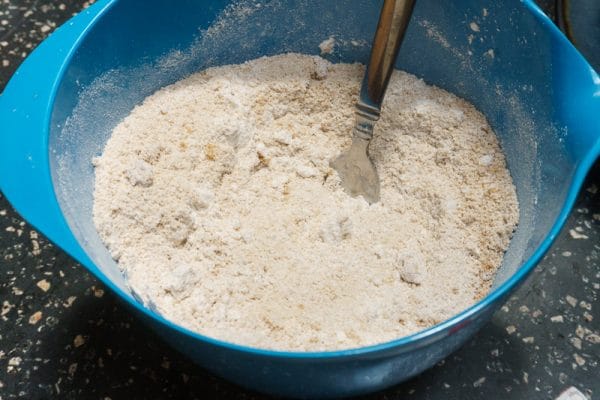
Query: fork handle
[[393, 21]]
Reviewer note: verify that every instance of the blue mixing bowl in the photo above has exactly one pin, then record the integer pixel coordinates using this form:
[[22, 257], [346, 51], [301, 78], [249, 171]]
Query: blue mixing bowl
[[539, 94]]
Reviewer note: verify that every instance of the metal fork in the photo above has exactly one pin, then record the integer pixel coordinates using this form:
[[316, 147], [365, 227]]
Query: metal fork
[[356, 169]]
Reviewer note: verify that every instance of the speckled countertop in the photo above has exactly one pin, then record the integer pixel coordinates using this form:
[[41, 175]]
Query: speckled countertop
[[63, 336]]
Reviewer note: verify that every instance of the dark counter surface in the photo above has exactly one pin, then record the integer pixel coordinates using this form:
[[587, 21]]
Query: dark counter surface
[[62, 335]]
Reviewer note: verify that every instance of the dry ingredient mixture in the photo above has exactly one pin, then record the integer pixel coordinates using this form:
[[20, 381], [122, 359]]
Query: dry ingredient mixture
[[216, 198]]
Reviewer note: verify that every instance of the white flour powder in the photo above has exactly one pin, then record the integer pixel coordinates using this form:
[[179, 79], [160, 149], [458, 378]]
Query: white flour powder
[[216, 198]]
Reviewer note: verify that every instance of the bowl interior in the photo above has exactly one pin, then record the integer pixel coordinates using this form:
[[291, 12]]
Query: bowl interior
[[497, 56]]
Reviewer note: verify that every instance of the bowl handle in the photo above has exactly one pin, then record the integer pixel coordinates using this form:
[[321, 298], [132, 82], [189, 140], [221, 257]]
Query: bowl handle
[[577, 95], [25, 111]]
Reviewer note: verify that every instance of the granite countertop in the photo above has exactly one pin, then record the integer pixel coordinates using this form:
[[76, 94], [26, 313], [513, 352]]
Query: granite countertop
[[62, 335]]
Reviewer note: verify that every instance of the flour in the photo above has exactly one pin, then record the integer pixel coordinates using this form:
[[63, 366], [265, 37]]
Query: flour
[[216, 198], [327, 45]]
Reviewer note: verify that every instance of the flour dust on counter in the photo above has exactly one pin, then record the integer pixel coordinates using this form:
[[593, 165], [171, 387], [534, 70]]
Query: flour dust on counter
[[216, 197]]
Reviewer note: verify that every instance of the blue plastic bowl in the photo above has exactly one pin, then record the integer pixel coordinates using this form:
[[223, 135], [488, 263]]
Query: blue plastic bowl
[[539, 94]]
